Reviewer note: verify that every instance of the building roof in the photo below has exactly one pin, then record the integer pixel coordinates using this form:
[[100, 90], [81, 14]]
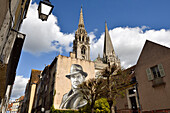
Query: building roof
[[21, 98], [81, 21], [98, 59], [108, 47], [152, 50], [34, 76]]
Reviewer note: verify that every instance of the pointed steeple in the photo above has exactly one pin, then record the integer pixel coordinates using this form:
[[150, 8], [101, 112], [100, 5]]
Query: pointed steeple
[[108, 47], [81, 43], [81, 21]]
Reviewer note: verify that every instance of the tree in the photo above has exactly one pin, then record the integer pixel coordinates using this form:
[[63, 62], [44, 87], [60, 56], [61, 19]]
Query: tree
[[110, 84], [115, 82], [91, 90]]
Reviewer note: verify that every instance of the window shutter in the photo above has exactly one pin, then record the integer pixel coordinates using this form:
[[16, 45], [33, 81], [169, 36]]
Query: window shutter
[[149, 74], [161, 70]]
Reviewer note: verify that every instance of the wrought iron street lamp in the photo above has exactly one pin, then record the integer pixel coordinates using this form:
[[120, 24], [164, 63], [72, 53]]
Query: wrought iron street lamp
[[42, 109], [44, 9]]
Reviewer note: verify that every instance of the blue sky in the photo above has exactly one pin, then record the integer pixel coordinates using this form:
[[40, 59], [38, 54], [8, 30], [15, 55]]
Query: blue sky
[[130, 23]]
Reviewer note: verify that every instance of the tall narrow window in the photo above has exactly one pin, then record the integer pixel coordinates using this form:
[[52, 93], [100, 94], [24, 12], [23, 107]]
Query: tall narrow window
[[83, 39], [79, 38], [155, 71], [83, 50]]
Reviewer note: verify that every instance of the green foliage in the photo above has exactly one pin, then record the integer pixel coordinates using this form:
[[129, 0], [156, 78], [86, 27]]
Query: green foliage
[[85, 109], [53, 110], [102, 106], [122, 94]]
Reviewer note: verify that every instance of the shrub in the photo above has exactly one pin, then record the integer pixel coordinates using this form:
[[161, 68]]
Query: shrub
[[53, 110], [102, 106]]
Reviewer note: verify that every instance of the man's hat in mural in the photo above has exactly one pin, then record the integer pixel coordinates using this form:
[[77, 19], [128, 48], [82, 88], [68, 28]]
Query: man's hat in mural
[[75, 68]]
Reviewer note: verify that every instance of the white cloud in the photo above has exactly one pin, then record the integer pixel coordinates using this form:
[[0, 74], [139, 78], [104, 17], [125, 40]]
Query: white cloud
[[19, 87], [44, 36], [128, 42]]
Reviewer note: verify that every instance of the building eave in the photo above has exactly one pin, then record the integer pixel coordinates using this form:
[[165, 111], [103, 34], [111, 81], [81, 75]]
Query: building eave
[[3, 68], [14, 58]]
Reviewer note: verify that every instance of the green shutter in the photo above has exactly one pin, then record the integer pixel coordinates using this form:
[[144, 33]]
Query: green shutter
[[149, 74], [161, 70]]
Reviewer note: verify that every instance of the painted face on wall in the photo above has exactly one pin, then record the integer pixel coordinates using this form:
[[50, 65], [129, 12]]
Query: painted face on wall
[[76, 80]]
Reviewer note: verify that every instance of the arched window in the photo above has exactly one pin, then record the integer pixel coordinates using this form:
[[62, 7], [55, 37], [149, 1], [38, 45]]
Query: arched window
[[83, 39], [87, 39], [83, 50], [79, 38], [83, 57]]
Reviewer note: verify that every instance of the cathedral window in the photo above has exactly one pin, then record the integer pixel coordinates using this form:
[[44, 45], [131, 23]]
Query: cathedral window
[[87, 39], [83, 39], [83, 50], [79, 38], [83, 57]]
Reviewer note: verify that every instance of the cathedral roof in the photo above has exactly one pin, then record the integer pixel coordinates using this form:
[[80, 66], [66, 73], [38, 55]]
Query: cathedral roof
[[98, 59], [108, 47], [81, 21]]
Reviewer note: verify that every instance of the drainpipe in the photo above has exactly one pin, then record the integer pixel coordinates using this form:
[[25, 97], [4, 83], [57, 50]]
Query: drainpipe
[[136, 86]]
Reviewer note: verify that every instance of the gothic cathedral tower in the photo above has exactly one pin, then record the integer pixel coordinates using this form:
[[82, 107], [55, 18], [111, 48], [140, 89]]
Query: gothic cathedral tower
[[109, 55], [81, 45]]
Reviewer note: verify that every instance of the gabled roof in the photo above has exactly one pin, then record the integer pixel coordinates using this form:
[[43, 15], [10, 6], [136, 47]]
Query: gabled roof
[[152, 50], [108, 47]]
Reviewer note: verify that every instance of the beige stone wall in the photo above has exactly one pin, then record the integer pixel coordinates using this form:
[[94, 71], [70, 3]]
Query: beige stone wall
[[63, 84], [99, 67], [32, 94]]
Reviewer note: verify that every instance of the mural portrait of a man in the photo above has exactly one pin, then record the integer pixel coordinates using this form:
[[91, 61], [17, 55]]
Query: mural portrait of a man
[[74, 98]]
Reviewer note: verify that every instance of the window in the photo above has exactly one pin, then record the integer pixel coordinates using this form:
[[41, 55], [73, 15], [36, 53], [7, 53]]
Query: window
[[87, 39], [83, 39], [83, 50], [79, 38], [132, 91], [83, 57], [155, 72]]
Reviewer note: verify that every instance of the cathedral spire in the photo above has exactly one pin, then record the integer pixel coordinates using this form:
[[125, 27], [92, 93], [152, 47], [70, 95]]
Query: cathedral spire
[[81, 43], [81, 21], [108, 47]]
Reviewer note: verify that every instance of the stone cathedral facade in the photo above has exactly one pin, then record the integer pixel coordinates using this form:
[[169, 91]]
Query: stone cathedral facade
[[109, 56], [81, 56], [81, 47]]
